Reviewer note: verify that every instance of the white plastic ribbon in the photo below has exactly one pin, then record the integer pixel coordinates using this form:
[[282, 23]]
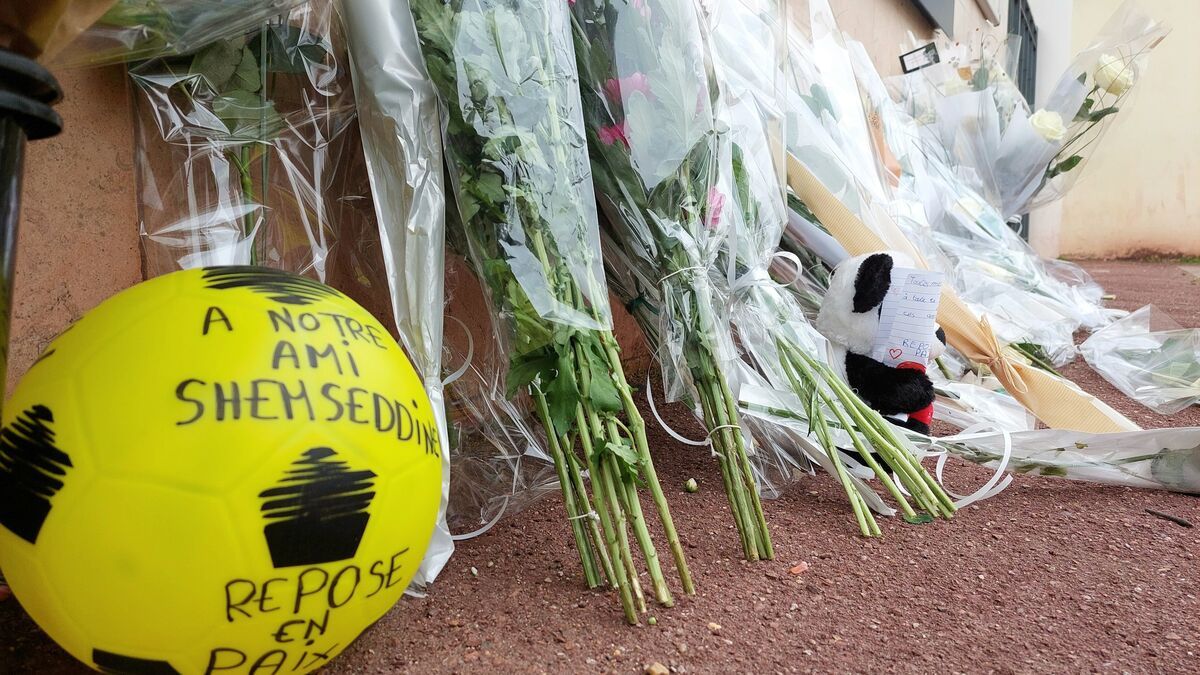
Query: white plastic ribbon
[[666, 427], [999, 480], [462, 370], [487, 526]]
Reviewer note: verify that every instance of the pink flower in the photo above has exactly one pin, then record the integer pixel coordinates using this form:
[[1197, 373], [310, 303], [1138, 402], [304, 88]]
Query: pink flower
[[571, 2], [716, 204], [616, 88], [613, 133], [642, 8]]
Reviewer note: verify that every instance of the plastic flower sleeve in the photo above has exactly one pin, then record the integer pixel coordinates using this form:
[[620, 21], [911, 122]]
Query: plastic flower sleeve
[[401, 139], [498, 461], [751, 110], [1150, 358], [248, 153], [965, 405], [1167, 459], [135, 30]]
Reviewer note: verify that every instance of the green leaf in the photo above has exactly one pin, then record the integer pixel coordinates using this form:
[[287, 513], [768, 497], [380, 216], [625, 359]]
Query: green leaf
[[490, 187], [1065, 165], [525, 368], [217, 62], [602, 390], [979, 81], [918, 519], [246, 76], [290, 49], [1102, 113], [626, 454], [435, 23], [245, 115], [1056, 471], [562, 397], [1085, 110]]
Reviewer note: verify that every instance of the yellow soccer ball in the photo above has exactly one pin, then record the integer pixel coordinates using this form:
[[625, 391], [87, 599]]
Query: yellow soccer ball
[[228, 470]]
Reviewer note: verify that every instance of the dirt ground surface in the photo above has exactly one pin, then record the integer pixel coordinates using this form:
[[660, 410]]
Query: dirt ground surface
[[1048, 576]]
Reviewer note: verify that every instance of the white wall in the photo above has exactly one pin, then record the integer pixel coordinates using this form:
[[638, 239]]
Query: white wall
[[1054, 19], [1140, 192]]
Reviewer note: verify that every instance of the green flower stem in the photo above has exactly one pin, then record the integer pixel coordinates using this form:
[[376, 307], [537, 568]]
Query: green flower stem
[[616, 179], [242, 159], [893, 449], [613, 485], [619, 578], [733, 452], [593, 522], [737, 505], [921, 486], [927, 480], [584, 549], [609, 480], [637, 427], [863, 451], [637, 521], [721, 417], [638, 440], [766, 550]]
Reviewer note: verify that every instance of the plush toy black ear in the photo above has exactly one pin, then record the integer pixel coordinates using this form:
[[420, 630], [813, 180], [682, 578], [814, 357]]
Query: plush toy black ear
[[872, 283]]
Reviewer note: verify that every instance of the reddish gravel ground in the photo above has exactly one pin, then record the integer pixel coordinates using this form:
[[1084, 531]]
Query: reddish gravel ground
[[1049, 576]]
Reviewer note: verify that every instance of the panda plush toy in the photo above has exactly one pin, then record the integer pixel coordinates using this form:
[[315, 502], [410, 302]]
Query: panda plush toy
[[849, 319]]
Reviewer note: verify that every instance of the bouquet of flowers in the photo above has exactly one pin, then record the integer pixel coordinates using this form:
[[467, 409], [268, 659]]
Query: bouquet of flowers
[[1162, 459], [656, 142], [518, 162], [1150, 358], [1019, 156], [248, 153]]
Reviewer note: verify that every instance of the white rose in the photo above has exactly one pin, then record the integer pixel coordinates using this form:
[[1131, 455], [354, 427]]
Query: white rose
[[1049, 125], [1114, 75]]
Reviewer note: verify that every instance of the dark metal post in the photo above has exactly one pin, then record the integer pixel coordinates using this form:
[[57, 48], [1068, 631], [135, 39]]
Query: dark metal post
[[27, 90]]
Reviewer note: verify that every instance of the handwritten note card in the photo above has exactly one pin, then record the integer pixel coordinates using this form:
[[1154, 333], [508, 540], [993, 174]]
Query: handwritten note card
[[908, 317]]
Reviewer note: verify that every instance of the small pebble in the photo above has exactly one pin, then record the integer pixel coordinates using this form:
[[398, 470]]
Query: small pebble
[[656, 668], [474, 572], [714, 627], [799, 569]]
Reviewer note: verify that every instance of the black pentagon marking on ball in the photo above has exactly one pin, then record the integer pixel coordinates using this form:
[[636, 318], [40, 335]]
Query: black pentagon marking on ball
[[282, 287], [318, 512], [32, 469], [117, 664]]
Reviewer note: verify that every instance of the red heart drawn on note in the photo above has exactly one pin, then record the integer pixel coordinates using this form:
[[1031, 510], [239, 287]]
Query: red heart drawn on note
[[895, 353]]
